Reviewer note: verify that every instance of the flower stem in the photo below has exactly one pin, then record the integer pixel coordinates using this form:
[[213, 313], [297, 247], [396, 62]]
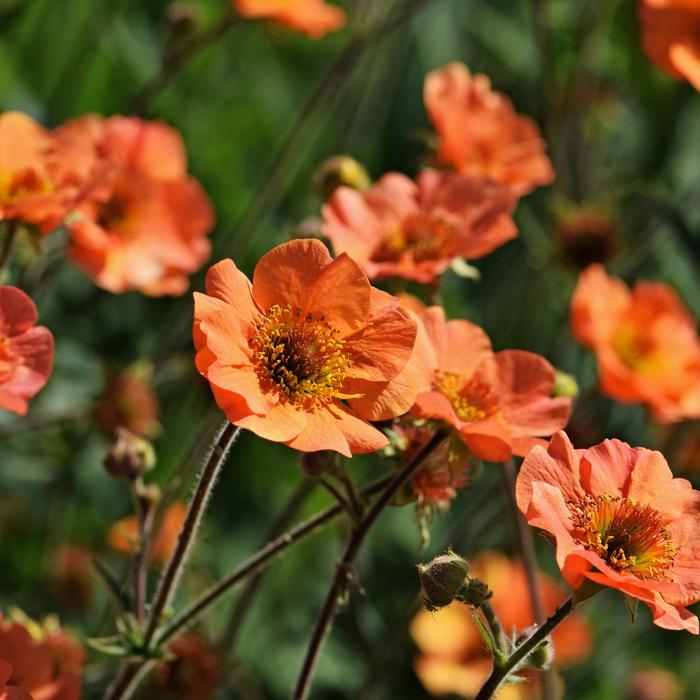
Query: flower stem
[[175, 566], [502, 668], [344, 570], [527, 549], [258, 561], [494, 626], [146, 512], [11, 229]]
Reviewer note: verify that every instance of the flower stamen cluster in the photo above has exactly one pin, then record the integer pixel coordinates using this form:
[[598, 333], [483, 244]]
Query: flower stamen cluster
[[472, 400], [301, 358], [629, 536]]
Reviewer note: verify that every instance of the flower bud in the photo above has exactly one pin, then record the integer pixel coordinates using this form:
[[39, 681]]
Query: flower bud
[[442, 579], [586, 236], [129, 456], [183, 16], [337, 171], [315, 464], [475, 593], [565, 385]]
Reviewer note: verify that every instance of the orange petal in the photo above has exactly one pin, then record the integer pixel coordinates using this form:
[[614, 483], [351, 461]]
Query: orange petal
[[285, 274], [281, 424], [226, 282]]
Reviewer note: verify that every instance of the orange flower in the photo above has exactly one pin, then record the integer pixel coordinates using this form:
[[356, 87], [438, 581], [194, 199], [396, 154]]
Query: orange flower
[[35, 184], [124, 535], [499, 402], [142, 222], [26, 351], [193, 673], [453, 657], [72, 576], [480, 133], [671, 36], [45, 659], [619, 519], [129, 401], [10, 692], [645, 341], [416, 229], [315, 18], [655, 684], [307, 354]]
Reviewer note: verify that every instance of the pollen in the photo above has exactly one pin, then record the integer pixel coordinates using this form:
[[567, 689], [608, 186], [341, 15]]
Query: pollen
[[301, 357], [420, 237], [630, 537], [472, 400]]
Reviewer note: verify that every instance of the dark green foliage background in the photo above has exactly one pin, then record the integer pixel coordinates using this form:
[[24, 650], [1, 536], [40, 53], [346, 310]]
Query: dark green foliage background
[[620, 133]]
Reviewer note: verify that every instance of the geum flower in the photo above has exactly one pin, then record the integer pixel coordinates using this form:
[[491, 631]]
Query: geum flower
[[480, 133], [45, 659], [500, 403], [8, 692], [619, 519], [402, 228], [307, 354], [453, 658], [315, 18], [645, 340], [37, 185], [26, 351], [142, 222], [671, 36]]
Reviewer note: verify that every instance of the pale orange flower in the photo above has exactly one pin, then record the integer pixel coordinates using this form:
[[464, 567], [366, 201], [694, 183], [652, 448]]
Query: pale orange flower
[[619, 519], [26, 351], [645, 340], [453, 657], [45, 660], [655, 684], [307, 354], [480, 133], [671, 36], [402, 228], [142, 222], [123, 536], [315, 18], [500, 403], [36, 183]]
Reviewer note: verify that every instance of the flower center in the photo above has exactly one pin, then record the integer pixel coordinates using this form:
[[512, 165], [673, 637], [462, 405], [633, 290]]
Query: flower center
[[25, 184], [472, 400], [420, 237], [628, 536], [634, 350], [300, 357]]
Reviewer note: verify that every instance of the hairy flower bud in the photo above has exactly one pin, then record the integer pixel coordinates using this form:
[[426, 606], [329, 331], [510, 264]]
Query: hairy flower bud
[[542, 656], [129, 456], [442, 579], [337, 171]]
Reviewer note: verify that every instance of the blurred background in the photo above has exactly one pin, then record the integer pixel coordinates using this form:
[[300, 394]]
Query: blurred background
[[259, 110]]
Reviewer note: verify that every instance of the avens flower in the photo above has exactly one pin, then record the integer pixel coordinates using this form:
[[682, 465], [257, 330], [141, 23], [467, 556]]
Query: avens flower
[[307, 354], [645, 340], [500, 403], [142, 222], [671, 36], [315, 18], [402, 228], [480, 133], [45, 659], [26, 351], [619, 519], [9, 692]]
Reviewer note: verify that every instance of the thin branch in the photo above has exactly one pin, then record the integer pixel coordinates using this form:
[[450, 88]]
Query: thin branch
[[527, 549], [344, 570], [145, 514], [8, 242], [244, 602], [500, 671]]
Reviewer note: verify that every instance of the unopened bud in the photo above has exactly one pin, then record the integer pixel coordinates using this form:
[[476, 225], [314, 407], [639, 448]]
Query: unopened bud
[[475, 593], [129, 456], [183, 16], [148, 493], [565, 385], [442, 579], [337, 171]]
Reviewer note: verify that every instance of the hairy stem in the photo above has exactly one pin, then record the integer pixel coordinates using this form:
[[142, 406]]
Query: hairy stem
[[501, 669], [145, 513], [344, 570], [527, 549], [11, 229]]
